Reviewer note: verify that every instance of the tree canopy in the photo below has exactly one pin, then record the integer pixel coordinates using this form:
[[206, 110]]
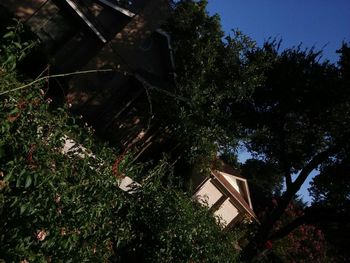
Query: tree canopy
[[212, 72], [298, 120]]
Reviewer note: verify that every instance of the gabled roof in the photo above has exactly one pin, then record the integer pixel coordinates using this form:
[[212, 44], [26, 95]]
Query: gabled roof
[[245, 204]]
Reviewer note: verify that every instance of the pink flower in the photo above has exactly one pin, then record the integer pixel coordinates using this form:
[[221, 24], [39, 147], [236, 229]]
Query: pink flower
[[57, 198], [63, 231], [3, 184], [274, 201], [40, 235], [268, 244]]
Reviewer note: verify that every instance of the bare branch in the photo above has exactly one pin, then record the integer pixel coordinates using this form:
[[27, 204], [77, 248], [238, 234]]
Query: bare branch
[[56, 76]]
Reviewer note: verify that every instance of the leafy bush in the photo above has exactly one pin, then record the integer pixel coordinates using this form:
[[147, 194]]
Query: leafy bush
[[170, 227], [64, 208], [53, 205], [16, 44], [306, 243], [57, 207]]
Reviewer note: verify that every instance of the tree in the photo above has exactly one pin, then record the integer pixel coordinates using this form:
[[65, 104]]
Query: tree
[[265, 182], [299, 121], [330, 191], [303, 244], [212, 71]]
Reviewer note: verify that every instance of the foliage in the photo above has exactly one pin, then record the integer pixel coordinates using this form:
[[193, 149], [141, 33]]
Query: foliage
[[298, 121], [212, 72], [172, 229], [331, 188], [63, 208], [47, 194], [304, 244], [265, 182], [13, 49], [330, 191], [285, 112]]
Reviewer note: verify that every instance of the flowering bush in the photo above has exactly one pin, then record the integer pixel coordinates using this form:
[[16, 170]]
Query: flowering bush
[[304, 244], [57, 207], [54, 206]]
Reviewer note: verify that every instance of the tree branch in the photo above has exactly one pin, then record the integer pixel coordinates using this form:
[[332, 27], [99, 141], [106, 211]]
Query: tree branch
[[267, 225], [283, 154], [58, 76], [312, 165], [288, 177], [284, 231], [311, 216]]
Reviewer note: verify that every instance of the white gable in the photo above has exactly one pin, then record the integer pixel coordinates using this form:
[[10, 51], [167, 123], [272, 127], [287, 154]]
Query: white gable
[[239, 183], [232, 180]]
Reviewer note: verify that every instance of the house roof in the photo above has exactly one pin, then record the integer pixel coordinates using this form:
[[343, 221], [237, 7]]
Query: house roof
[[226, 168], [234, 193]]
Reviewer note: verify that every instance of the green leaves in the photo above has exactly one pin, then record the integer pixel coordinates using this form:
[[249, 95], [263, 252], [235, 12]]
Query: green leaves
[[213, 73], [170, 227], [75, 205], [28, 181], [34, 171], [12, 48], [9, 34], [84, 216], [2, 151]]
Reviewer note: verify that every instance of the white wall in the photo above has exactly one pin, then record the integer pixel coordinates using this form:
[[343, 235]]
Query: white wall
[[208, 194], [226, 212]]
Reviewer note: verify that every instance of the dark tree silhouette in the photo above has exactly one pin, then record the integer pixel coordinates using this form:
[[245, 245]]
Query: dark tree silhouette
[[298, 120]]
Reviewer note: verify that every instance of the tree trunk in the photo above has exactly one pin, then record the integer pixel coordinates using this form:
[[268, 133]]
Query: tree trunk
[[262, 235], [266, 227]]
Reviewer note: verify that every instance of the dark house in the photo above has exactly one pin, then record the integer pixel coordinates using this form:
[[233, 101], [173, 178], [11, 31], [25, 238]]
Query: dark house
[[106, 34]]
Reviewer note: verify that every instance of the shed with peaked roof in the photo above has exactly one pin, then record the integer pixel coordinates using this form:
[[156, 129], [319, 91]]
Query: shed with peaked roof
[[226, 193]]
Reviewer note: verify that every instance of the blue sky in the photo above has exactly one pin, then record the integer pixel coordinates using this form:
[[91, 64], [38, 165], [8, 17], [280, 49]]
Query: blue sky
[[312, 22], [320, 23]]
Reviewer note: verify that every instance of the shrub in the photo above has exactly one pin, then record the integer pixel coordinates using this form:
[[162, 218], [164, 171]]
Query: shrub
[[57, 207]]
